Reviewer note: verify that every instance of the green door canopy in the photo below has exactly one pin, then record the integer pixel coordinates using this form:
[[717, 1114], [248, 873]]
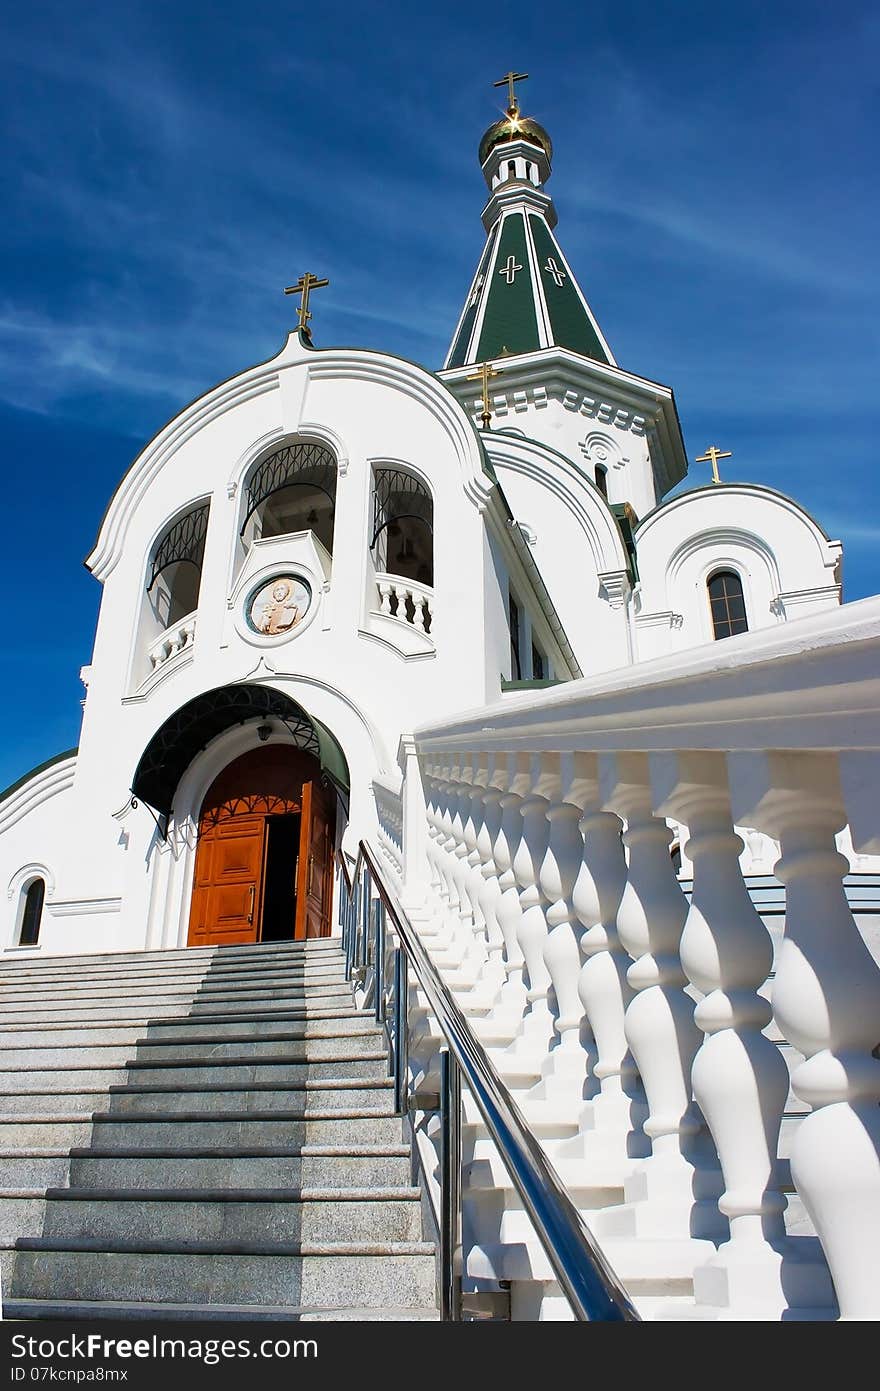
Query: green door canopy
[[191, 728]]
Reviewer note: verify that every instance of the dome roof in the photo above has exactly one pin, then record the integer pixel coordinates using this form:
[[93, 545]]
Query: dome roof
[[513, 126]]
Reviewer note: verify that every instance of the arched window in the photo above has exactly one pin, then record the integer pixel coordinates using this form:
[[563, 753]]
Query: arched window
[[602, 480], [292, 489], [511, 169], [402, 541], [175, 573], [727, 603], [32, 913]]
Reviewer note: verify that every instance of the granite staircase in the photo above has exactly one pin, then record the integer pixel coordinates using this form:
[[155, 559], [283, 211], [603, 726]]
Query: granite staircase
[[206, 1133]]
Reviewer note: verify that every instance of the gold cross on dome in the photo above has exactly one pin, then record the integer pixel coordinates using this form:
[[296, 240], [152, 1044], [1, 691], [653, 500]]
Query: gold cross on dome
[[510, 78], [303, 287], [712, 455], [482, 374]]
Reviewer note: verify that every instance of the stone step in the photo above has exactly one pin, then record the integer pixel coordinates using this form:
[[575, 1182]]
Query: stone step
[[108, 1309], [331, 969], [181, 1031], [279, 1071], [310, 1168], [374, 1274], [288, 1131], [320, 1094], [258, 952], [254, 1217], [368, 1043], [36, 1016], [106, 1005], [14, 997]]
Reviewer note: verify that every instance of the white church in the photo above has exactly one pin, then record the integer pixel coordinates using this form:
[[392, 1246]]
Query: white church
[[454, 617]]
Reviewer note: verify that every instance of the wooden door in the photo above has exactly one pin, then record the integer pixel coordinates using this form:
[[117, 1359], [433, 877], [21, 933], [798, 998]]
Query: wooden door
[[314, 889], [228, 885]]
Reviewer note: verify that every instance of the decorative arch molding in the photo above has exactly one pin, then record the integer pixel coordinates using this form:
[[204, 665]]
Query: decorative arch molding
[[597, 444], [24, 877], [38, 787], [828, 549], [578, 494], [720, 558], [351, 364]]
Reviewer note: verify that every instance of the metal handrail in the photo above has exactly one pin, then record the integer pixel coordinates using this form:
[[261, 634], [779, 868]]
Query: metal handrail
[[580, 1266]]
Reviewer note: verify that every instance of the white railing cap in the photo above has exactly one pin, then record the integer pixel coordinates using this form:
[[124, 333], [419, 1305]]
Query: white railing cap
[[813, 683]]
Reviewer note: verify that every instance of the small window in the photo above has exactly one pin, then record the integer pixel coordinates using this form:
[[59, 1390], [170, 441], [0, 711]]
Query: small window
[[539, 669], [528, 168], [511, 169], [32, 914], [515, 663], [728, 605], [602, 480]]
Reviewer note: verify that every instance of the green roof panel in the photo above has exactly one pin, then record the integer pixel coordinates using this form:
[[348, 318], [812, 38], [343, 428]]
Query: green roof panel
[[458, 356], [570, 323], [510, 323]]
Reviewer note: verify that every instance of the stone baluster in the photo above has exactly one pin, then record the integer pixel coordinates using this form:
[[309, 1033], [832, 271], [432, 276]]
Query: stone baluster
[[740, 1079], [418, 610], [610, 1134], [826, 1000], [445, 841], [659, 1022], [489, 892], [385, 591], [564, 1069], [504, 1018], [535, 1033]]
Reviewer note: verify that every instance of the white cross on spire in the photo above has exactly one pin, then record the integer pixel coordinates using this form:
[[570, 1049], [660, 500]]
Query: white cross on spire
[[509, 270]]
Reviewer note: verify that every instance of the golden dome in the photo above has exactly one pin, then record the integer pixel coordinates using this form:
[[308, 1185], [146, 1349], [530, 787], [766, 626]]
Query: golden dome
[[514, 126]]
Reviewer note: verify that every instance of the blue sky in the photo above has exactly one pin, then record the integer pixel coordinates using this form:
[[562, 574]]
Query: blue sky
[[169, 167]]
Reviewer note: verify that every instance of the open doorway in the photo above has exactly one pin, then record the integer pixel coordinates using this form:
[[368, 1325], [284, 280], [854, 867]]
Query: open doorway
[[263, 867]]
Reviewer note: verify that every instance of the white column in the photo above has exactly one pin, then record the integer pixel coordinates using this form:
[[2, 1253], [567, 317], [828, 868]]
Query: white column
[[528, 1049], [504, 1018], [415, 829], [740, 1079], [565, 1067], [826, 999], [659, 1023], [610, 1136]]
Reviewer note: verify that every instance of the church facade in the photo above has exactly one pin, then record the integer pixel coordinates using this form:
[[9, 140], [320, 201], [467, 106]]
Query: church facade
[[336, 546]]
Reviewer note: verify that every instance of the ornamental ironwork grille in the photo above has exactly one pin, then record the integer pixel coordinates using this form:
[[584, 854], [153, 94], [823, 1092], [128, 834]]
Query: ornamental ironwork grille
[[304, 464], [397, 495], [184, 541], [192, 727]]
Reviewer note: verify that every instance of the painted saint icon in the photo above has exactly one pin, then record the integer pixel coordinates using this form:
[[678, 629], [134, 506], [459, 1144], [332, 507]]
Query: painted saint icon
[[279, 606]]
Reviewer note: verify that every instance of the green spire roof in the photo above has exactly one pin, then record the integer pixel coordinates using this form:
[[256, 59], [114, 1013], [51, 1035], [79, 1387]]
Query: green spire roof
[[524, 296]]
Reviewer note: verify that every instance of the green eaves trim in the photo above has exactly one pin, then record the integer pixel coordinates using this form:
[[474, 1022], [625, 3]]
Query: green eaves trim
[[458, 356], [510, 321], [570, 323], [40, 768]]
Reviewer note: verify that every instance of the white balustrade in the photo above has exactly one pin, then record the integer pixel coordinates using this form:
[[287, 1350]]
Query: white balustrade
[[826, 1000], [610, 1124], [659, 1022], [548, 853], [563, 1071], [176, 638], [406, 600], [740, 1079]]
